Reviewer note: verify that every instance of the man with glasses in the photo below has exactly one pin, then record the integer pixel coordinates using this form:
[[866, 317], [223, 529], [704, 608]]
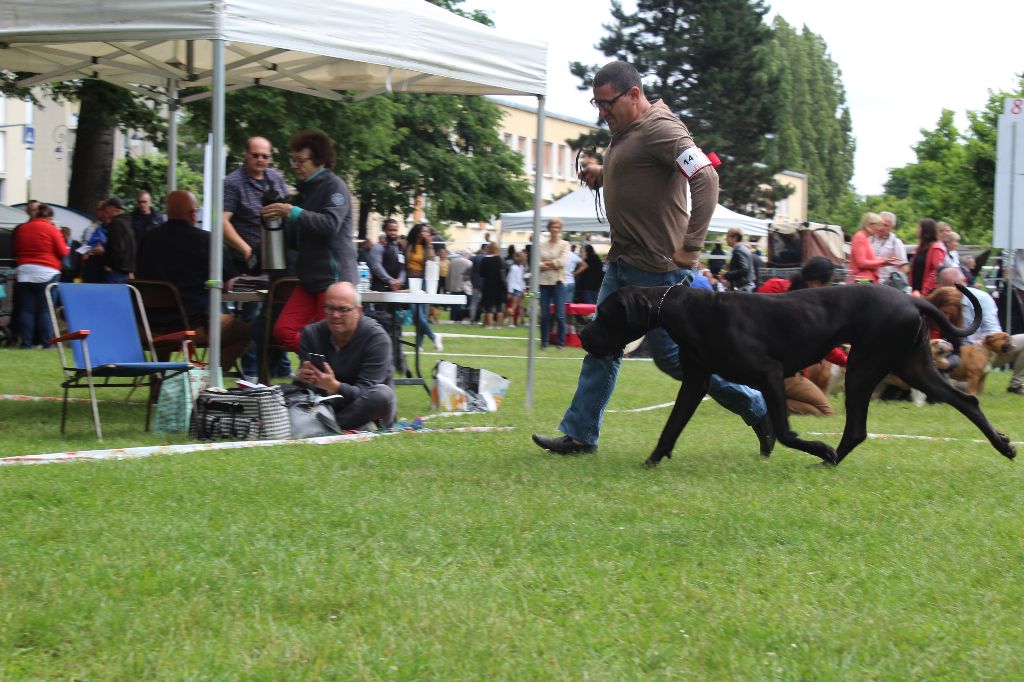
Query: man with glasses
[[244, 188], [243, 200], [655, 241], [349, 355]]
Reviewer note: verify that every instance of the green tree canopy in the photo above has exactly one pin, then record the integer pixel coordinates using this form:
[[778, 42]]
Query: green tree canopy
[[814, 129], [708, 61], [133, 174], [953, 178]]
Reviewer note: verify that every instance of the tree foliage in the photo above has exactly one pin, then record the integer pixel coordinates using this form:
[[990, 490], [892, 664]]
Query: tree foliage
[[133, 174], [392, 148], [814, 129], [953, 178], [707, 60]]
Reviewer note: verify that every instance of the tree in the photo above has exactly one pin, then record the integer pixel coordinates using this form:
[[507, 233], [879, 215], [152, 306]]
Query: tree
[[707, 61], [953, 178], [103, 109], [149, 172], [814, 128]]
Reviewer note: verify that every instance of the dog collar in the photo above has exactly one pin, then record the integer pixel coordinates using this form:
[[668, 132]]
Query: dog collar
[[657, 314]]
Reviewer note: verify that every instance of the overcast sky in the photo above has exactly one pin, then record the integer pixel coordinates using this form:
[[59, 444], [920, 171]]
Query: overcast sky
[[902, 61]]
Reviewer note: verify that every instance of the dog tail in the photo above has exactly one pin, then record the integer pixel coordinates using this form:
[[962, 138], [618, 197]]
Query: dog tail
[[936, 315]]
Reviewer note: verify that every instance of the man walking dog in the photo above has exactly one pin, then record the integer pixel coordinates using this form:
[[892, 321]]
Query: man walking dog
[[655, 242]]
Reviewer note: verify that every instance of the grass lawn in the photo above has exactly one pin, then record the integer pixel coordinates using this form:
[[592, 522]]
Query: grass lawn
[[476, 556]]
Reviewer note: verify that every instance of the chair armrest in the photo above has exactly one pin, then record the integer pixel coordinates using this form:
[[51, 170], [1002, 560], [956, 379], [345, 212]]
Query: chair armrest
[[174, 336], [71, 336]]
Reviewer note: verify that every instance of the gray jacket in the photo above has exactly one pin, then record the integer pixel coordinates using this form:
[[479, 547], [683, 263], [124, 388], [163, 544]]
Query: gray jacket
[[322, 233]]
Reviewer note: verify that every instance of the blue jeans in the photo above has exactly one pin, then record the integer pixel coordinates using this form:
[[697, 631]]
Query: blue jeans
[[33, 323], [115, 277], [419, 319], [552, 294], [582, 421]]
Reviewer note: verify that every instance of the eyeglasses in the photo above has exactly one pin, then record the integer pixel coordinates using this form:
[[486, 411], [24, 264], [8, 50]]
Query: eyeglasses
[[337, 309], [606, 104], [298, 160], [259, 156]]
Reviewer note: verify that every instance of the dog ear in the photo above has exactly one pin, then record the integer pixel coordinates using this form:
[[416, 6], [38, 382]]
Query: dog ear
[[637, 307]]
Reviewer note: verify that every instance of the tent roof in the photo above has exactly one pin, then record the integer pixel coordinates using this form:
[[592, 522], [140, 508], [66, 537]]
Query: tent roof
[[579, 214], [11, 217], [310, 46]]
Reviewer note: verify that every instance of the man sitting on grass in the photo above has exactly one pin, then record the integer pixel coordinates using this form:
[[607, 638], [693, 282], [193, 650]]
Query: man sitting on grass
[[349, 355]]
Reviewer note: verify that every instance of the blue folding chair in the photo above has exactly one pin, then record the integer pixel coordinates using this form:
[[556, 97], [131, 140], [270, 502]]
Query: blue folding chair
[[99, 327]]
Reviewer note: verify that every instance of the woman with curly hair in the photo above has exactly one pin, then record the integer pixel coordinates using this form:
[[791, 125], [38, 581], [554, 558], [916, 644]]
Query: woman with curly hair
[[318, 225]]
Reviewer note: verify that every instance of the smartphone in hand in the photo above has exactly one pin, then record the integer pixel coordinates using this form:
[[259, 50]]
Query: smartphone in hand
[[318, 361]]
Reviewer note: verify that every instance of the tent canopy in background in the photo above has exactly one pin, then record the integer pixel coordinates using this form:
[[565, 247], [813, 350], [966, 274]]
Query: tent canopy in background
[[579, 214], [335, 49], [310, 46]]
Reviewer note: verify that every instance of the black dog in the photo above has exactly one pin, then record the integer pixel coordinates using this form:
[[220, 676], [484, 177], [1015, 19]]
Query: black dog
[[759, 339]]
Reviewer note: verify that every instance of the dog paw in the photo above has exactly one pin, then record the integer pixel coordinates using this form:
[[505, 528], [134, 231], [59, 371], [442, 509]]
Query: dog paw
[[650, 462], [1008, 449], [828, 455]]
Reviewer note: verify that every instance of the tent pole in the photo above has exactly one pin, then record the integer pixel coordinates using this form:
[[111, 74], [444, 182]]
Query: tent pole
[[172, 135], [534, 307], [216, 210]]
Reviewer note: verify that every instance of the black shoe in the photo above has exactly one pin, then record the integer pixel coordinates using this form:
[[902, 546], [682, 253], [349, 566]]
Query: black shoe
[[564, 445], [765, 436], [1019, 390]]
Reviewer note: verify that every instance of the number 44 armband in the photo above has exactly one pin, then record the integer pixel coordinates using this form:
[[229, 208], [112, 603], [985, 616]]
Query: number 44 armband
[[692, 160]]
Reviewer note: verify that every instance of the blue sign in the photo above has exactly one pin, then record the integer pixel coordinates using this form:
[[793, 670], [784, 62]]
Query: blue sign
[[29, 136]]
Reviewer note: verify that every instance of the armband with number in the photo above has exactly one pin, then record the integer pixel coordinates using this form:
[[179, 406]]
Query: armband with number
[[692, 161]]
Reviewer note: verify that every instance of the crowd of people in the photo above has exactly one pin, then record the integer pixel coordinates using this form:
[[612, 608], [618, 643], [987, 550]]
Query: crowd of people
[[656, 240]]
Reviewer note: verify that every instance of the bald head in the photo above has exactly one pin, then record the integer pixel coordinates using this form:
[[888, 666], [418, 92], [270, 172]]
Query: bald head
[[950, 276], [181, 205], [345, 291]]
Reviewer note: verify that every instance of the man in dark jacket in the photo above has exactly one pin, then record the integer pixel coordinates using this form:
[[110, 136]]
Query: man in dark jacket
[[145, 216], [118, 254], [179, 252], [348, 355], [740, 276], [386, 261]]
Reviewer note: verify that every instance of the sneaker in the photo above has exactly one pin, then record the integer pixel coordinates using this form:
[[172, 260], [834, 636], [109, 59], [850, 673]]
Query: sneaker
[[1019, 390], [438, 344], [564, 445], [765, 436]]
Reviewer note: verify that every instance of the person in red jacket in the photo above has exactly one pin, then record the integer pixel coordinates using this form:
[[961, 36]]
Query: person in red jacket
[[38, 249]]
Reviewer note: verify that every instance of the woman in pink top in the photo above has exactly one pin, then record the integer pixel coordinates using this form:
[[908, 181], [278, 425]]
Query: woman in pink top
[[863, 264]]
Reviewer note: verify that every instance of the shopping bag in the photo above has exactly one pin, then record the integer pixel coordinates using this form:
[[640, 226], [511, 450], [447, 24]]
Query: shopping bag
[[177, 398], [240, 414], [466, 389]]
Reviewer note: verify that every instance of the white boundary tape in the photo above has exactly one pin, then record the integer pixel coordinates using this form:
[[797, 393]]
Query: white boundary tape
[[150, 450], [907, 436]]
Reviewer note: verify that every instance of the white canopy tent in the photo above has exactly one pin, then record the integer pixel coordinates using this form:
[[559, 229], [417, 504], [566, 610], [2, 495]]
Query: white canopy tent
[[340, 50], [577, 210]]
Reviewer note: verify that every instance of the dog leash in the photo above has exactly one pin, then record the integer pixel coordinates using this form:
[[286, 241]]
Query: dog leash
[[687, 281]]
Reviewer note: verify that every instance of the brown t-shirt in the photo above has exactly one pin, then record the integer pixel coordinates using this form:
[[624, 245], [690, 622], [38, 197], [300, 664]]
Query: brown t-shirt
[[645, 193]]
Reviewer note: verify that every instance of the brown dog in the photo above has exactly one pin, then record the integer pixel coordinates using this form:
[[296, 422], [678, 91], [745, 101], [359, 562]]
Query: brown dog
[[975, 360]]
